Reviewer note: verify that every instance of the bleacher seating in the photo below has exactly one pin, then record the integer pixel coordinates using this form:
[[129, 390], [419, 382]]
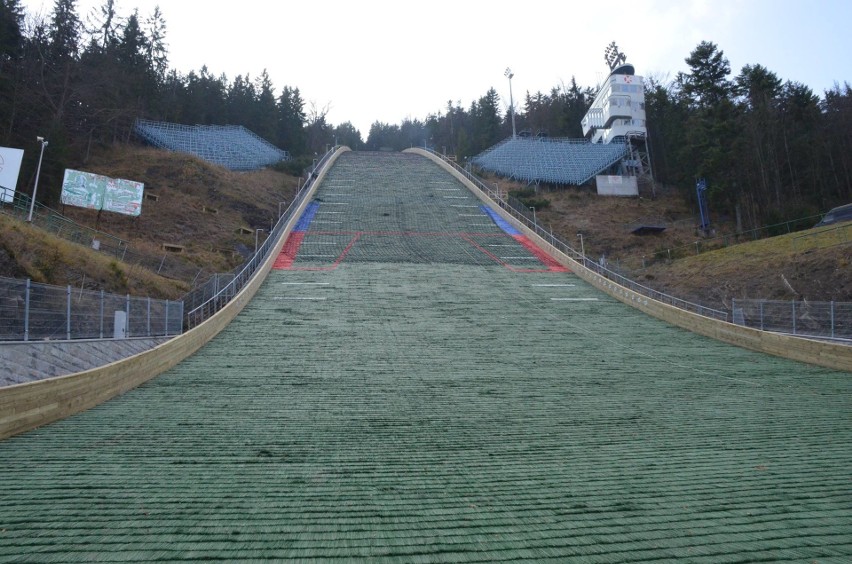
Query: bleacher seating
[[231, 146], [555, 161]]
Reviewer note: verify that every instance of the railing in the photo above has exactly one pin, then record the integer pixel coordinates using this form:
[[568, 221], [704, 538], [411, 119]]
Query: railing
[[31, 311], [528, 218], [721, 241], [823, 320], [222, 294], [831, 236]]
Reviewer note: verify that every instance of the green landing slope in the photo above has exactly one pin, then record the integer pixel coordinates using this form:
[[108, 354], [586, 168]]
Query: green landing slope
[[431, 411]]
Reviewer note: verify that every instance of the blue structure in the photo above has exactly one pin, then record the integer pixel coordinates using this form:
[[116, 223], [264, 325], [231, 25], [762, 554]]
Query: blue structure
[[552, 160], [231, 146]]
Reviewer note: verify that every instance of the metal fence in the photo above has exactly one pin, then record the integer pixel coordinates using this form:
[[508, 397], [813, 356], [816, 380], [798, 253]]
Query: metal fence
[[823, 320], [31, 311], [528, 217], [222, 288], [832, 236]]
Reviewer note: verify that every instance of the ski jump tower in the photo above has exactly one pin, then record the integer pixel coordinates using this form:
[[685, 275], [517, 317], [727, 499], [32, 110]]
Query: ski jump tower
[[617, 115]]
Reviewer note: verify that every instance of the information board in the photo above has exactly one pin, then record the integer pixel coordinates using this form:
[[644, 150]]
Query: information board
[[97, 192]]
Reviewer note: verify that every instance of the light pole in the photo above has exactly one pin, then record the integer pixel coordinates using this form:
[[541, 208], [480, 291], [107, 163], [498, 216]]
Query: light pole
[[38, 172], [256, 231], [582, 247], [509, 74], [279, 206]]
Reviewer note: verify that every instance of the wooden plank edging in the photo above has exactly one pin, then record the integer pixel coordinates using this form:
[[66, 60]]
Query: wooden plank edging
[[821, 353], [26, 406]]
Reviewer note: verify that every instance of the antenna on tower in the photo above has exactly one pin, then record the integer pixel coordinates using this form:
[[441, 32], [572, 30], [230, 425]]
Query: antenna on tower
[[613, 56]]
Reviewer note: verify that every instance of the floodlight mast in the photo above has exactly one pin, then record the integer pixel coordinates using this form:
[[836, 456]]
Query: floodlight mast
[[509, 74], [38, 172]]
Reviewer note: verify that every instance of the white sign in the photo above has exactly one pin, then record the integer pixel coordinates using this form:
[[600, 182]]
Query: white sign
[[10, 166], [609, 185]]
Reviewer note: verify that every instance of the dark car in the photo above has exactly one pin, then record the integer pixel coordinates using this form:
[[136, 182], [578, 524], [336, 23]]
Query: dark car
[[836, 215]]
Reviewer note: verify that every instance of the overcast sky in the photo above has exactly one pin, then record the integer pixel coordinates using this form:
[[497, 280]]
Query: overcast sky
[[371, 60]]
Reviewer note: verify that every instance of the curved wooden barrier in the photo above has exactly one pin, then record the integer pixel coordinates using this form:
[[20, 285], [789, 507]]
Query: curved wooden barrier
[[30, 405], [821, 353]]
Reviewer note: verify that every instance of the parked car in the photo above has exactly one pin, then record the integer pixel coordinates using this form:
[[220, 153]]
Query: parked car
[[836, 215]]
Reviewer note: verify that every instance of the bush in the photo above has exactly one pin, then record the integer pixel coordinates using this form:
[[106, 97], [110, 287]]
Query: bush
[[295, 166], [530, 199]]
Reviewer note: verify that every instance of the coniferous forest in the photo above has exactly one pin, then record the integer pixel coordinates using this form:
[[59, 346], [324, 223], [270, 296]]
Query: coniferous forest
[[770, 148]]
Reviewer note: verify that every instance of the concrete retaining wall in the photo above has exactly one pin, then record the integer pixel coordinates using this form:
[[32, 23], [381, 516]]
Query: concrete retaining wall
[[36, 360], [830, 355], [27, 406]]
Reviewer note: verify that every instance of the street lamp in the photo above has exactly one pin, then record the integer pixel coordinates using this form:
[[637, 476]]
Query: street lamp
[[256, 231], [509, 74], [279, 207], [38, 172], [582, 246]]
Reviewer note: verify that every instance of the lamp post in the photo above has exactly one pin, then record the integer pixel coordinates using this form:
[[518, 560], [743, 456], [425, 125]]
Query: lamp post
[[279, 207], [582, 247], [38, 172], [509, 74], [256, 231]]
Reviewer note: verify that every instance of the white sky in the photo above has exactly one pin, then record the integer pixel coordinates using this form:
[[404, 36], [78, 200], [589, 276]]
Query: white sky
[[370, 60]]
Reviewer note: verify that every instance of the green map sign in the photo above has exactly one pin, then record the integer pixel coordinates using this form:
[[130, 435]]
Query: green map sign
[[96, 192]]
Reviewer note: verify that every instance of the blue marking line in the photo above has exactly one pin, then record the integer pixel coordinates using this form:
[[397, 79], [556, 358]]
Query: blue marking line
[[501, 223], [307, 217]]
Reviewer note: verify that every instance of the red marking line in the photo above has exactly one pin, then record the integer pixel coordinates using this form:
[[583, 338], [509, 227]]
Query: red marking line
[[288, 253], [285, 260], [545, 258]]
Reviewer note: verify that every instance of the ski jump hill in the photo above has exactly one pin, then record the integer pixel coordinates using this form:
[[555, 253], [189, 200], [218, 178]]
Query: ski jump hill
[[416, 380]]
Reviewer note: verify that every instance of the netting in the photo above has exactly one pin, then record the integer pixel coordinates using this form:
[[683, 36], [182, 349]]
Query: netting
[[364, 212]]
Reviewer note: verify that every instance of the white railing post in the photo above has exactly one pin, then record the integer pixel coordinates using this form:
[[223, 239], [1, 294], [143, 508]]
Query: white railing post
[[794, 316], [68, 312], [27, 311], [832, 319]]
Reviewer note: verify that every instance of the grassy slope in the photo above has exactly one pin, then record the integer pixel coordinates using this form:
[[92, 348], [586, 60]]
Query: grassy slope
[[816, 268], [186, 186]]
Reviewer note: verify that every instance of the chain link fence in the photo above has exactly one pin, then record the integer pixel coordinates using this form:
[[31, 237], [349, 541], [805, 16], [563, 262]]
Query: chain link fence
[[32, 311], [823, 320]]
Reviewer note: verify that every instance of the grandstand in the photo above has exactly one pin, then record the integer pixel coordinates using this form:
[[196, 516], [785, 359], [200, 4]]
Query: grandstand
[[231, 146], [555, 161]]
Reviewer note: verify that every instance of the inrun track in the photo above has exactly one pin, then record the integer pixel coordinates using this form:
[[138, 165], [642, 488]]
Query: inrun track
[[413, 383]]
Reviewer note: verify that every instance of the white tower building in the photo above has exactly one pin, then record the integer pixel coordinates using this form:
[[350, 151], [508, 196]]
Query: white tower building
[[617, 114]]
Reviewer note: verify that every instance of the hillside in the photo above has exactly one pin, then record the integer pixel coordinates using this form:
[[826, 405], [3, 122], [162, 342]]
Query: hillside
[[208, 213], [212, 214]]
